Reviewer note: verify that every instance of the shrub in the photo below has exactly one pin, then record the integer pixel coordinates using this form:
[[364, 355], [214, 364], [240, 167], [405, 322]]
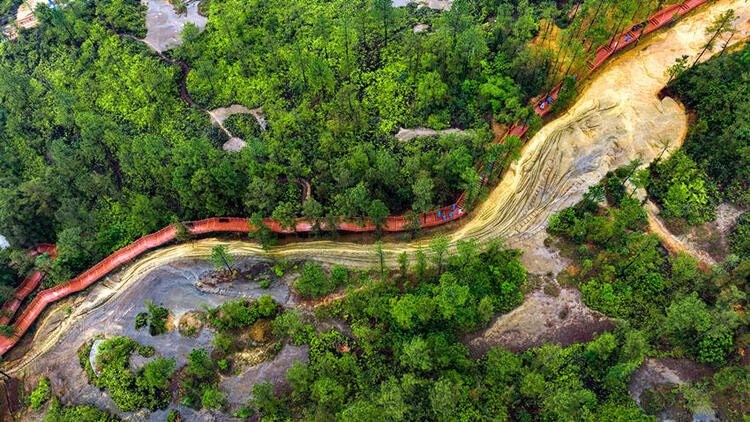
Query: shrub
[[83, 359], [59, 413], [128, 390], [266, 306], [173, 416], [244, 412], [739, 238], [222, 342], [158, 322], [290, 324], [313, 281], [243, 126], [41, 394], [212, 398], [146, 351], [155, 318], [339, 275], [278, 269], [683, 190], [141, 320]]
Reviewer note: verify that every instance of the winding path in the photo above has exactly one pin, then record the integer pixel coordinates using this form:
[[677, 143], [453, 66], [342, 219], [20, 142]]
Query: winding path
[[617, 118]]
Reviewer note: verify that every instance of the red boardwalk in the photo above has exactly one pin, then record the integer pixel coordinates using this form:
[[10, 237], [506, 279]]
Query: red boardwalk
[[212, 225]]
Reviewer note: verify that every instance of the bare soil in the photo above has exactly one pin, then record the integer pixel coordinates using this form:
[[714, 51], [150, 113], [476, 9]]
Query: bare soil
[[164, 25], [655, 371], [542, 318], [191, 323]]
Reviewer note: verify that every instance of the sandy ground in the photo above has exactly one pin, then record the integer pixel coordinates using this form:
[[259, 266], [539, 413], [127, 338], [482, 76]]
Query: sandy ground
[[218, 115], [674, 244], [404, 135], [541, 319], [655, 371], [164, 25], [275, 370]]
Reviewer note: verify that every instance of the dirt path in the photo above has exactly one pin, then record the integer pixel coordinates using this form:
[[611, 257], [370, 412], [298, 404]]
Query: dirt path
[[617, 118], [673, 244]]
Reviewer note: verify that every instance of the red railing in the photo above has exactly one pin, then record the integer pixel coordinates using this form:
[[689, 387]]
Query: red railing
[[28, 285], [210, 225]]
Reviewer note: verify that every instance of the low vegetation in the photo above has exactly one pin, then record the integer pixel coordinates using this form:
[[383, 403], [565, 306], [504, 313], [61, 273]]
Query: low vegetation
[[739, 238], [314, 282], [718, 92], [155, 319], [144, 389], [59, 413], [40, 395]]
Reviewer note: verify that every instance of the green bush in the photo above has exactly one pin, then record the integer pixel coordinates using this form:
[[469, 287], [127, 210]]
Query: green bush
[[313, 281], [212, 398], [339, 275], [244, 412], [132, 391], [173, 416], [146, 351], [243, 126], [59, 413], [683, 190], [41, 394], [83, 359], [739, 238], [155, 318], [158, 319], [141, 320], [241, 312], [222, 342]]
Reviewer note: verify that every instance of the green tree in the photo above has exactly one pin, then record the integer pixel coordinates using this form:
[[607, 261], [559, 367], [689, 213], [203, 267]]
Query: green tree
[[212, 398], [158, 372], [221, 258], [438, 247]]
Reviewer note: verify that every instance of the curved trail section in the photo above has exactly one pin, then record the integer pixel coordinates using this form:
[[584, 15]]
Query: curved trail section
[[617, 118]]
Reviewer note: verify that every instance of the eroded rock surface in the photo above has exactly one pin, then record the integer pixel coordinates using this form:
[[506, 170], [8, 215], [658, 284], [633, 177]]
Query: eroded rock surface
[[404, 135], [542, 318], [164, 25]]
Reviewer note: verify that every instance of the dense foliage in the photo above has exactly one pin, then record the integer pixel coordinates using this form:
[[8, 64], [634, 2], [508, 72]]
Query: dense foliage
[[406, 361], [719, 142], [155, 319], [146, 388], [625, 273], [683, 190], [739, 238], [60, 413], [314, 282], [41, 394], [99, 149]]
